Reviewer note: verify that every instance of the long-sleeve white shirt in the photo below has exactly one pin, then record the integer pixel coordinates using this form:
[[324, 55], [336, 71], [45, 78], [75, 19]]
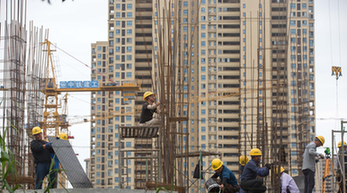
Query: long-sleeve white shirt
[[288, 182]]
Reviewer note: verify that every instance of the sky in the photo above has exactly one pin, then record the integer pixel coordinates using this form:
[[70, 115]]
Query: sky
[[74, 25]]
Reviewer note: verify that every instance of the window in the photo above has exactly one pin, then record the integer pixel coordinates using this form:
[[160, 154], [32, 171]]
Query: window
[[129, 49], [203, 137], [129, 23], [292, 5], [129, 14], [129, 57], [128, 74], [129, 31], [128, 144], [129, 6]]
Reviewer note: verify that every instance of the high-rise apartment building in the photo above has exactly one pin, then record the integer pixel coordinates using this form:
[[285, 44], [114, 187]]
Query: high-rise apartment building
[[249, 63]]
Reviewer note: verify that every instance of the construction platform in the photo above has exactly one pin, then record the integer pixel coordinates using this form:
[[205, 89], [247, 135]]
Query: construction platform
[[88, 190]]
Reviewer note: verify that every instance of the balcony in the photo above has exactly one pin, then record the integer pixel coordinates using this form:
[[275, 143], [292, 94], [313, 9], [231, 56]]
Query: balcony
[[212, 124], [212, 30], [212, 72], [212, 81], [212, 90], [212, 141], [211, 13]]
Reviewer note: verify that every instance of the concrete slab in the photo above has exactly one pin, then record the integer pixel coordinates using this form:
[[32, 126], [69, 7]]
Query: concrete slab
[[88, 190]]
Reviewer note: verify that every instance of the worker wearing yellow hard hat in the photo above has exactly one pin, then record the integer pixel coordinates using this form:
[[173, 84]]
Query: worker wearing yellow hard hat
[[339, 163], [287, 182], [56, 161], [229, 182], [41, 151], [63, 136], [309, 161], [148, 109], [249, 180], [243, 161]]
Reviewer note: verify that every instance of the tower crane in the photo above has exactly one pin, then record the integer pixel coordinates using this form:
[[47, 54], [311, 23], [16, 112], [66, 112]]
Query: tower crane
[[53, 122]]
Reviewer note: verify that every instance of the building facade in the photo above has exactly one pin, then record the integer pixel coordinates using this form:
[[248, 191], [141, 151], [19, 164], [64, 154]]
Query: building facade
[[250, 80]]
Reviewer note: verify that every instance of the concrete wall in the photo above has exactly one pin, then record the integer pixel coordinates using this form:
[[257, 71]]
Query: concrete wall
[[89, 190]]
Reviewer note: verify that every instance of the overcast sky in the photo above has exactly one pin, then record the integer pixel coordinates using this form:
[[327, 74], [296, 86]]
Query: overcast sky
[[74, 25]]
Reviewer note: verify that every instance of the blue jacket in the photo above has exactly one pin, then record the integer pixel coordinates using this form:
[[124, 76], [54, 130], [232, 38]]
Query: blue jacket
[[252, 170], [228, 174]]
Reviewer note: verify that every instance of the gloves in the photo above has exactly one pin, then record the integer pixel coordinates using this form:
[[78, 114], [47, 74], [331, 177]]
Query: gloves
[[268, 166], [321, 156], [48, 144]]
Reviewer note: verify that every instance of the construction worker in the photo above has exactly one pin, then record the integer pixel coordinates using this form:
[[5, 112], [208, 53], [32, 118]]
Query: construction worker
[[229, 182], [243, 161], [308, 166], [56, 162], [339, 163], [288, 184], [249, 180], [148, 109], [41, 151]]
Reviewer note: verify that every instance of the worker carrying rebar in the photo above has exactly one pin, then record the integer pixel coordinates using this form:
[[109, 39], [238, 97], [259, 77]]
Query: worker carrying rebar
[[229, 182], [339, 163], [288, 184], [308, 166], [148, 109], [249, 180], [41, 151]]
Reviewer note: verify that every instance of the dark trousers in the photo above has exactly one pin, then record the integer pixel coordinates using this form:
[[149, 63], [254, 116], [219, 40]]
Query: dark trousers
[[309, 180], [42, 170], [254, 186], [229, 189]]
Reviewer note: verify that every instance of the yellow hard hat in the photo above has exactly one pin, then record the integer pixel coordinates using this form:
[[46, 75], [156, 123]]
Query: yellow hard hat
[[321, 139], [282, 169], [147, 94], [63, 136], [255, 152], [216, 164], [243, 160], [339, 145], [36, 130]]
